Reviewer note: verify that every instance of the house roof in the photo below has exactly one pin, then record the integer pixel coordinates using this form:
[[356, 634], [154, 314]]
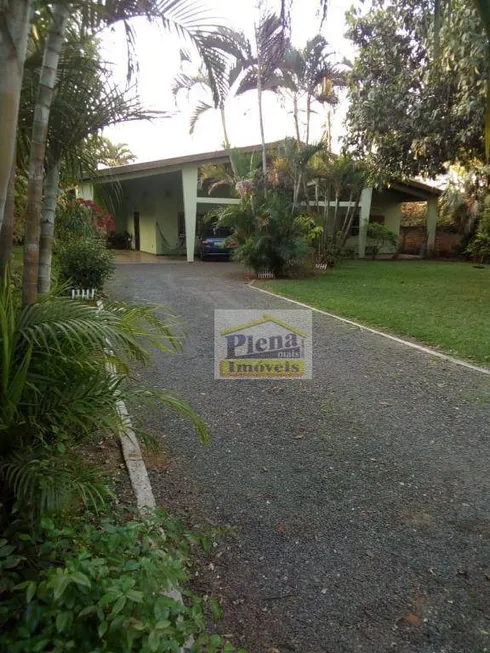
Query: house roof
[[414, 187], [410, 187], [119, 172]]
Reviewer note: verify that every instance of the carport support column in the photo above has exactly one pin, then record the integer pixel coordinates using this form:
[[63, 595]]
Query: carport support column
[[189, 188], [432, 211], [364, 213]]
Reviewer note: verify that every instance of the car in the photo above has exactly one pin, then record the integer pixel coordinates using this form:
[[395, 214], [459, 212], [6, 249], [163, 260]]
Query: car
[[215, 242]]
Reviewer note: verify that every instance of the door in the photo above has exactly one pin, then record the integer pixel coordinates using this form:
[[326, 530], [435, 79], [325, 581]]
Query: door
[[136, 222]]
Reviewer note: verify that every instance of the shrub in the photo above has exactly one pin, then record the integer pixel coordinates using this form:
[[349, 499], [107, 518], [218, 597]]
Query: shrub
[[57, 393], [479, 247], [272, 237], [380, 237], [332, 251], [85, 263], [102, 586], [78, 218], [119, 240]]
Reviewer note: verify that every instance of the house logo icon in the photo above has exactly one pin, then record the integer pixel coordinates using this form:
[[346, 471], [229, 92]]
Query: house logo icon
[[274, 345]]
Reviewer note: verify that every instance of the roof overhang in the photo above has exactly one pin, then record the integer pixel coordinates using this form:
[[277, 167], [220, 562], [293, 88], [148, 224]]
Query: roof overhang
[[162, 166]]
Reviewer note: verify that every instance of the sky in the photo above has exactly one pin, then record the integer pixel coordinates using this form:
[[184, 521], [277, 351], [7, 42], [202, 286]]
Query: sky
[[159, 63]]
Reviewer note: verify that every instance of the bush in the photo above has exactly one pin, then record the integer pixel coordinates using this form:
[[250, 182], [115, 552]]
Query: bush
[[57, 393], [380, 237], [332, 250], [119, 240], [79, 218], [85, 263], [479, 247], [280, 240], [102, 586]]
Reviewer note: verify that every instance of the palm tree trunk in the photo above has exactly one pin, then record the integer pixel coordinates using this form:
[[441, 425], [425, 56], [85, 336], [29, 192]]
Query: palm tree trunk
[[261, 116], [227, 140], [7, 230], [336, 209], [225, 129], [308, 116], [47, 229], [326, 211], [296, 118], [347, 213], [14, 30], [345, 235], [42, 109]]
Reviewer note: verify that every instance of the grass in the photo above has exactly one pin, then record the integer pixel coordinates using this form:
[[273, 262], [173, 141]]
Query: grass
[[443, 304]]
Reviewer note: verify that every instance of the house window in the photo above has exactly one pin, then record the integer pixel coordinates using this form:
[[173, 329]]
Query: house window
[[380, 219], [354, 230]]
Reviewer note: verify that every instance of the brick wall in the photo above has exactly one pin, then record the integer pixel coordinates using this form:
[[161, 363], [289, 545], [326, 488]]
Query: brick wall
[[413, 238]]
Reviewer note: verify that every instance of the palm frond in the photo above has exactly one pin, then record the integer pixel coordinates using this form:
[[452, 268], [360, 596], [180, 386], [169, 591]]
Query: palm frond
[[199, 109], [46, 480]]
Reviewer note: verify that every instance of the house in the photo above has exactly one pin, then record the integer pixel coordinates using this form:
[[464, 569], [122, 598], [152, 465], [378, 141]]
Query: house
[[160, 202]]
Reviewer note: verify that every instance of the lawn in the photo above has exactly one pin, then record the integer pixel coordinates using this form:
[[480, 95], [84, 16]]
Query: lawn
[[442, 304]]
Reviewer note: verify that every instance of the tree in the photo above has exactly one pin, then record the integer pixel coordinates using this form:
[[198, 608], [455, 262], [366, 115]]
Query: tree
[[182, 16], [307, 74], [15, 18], [47, 80], [107, 153], [74, 142], [238, 50], [269, 50], [417, 102]]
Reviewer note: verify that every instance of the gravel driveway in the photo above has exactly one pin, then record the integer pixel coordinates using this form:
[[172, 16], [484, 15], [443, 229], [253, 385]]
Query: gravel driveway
[[361, 498]]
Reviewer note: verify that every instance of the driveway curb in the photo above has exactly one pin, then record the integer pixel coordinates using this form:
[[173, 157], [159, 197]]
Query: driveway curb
[[138, 474], [363, 327]]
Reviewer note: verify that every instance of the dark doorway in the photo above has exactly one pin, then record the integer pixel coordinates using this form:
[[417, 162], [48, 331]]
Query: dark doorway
[[136, 218]]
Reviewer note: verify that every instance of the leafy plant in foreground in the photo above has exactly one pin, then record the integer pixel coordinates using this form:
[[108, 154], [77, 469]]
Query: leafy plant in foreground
[[103, 586], [59, 387]]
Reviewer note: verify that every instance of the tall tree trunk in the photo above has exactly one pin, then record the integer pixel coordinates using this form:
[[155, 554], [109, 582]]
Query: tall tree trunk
[[326, 212], [296, 118], [225, 128], [47, 229], [336, 209], [347, 213], [7, 230], [14, 30], [345, 235], [42, 109], [261, 116], [227, 140], [308, 117]]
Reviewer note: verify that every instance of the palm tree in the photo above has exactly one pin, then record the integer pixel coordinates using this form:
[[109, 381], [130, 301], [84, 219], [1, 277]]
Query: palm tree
[[239, 55], [262, 68], [47, 81], [307, 74], [104, 105], [15, 18], [182, 16], [269, 48]]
